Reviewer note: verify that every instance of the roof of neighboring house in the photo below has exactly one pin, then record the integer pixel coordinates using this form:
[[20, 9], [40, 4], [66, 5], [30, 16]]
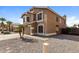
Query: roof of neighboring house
[[41, 7]]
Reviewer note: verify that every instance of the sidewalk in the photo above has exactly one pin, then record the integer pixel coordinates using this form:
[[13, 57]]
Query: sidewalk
[[16, 35], [35, 37], [9, 36]]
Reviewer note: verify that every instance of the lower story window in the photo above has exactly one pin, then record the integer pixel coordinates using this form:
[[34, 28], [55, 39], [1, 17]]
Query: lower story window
[[57, 28], [40, 29]]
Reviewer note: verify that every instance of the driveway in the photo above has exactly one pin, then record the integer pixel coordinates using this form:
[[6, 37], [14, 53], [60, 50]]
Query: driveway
[[64, 44], [66, 37]]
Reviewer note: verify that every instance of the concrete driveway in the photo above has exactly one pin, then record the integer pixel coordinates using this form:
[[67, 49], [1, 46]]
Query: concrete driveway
[[66, 37]]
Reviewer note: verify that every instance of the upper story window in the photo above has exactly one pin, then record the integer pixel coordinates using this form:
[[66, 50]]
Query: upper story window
[[28, 19], [57, 19], [40, 16]]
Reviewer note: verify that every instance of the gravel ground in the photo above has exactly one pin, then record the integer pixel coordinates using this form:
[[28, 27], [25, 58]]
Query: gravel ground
[[57, 44], [20, 46]]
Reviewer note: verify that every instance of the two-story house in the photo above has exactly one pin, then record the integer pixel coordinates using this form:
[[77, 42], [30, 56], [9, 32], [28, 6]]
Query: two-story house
[[43, 21]]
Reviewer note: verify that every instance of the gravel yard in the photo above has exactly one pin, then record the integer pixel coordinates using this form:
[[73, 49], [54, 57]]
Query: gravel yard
[[19, 46], [57, 44]]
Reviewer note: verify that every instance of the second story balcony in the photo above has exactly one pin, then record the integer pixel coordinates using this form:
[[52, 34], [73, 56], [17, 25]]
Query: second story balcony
[[33, 17]]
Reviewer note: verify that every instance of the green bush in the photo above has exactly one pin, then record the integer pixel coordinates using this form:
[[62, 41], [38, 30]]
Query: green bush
[[69, 30], [66, 30]]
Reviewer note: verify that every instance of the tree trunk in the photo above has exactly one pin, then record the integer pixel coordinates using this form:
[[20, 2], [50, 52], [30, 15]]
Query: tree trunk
[[9, 28], [2, 27]]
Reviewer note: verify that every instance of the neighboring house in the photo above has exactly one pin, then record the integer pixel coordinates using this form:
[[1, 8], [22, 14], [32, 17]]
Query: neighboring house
[[5, 27], [15, 27], [43, 21], [76, 26]]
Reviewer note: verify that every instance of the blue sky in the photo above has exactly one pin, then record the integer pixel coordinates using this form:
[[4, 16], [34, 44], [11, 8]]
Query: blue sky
[[13, 13]]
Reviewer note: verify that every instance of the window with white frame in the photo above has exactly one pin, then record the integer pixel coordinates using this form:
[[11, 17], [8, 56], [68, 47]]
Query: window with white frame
[[39, 16], [28, 19], [40, 29]]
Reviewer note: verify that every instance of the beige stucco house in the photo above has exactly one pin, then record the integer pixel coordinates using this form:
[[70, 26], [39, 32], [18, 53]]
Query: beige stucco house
[[43, 21]]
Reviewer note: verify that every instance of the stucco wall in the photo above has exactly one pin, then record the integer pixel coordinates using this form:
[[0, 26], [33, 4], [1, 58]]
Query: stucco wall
[[50, 22]]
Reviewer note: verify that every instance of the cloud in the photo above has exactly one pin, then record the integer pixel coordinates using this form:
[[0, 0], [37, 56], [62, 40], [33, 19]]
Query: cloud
[[72, 20], [20, 21]]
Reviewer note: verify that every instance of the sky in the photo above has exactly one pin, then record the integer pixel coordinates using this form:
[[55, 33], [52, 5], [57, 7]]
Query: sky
[[13, 13]]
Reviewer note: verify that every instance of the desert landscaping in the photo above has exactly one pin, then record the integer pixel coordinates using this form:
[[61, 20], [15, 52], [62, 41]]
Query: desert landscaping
[[56, 44]]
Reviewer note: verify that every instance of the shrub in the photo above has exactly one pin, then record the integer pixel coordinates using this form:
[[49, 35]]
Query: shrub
[[66, 30], [71, 31]]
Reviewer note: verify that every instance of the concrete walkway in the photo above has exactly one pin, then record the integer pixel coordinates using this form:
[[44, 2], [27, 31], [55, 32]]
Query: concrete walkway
[[9, 36], [35, 37], [16, 35]]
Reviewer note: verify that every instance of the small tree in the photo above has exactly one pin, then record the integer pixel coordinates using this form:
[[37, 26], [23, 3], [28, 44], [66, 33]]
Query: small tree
[[9, 25], [2, 23], [20, 30]]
